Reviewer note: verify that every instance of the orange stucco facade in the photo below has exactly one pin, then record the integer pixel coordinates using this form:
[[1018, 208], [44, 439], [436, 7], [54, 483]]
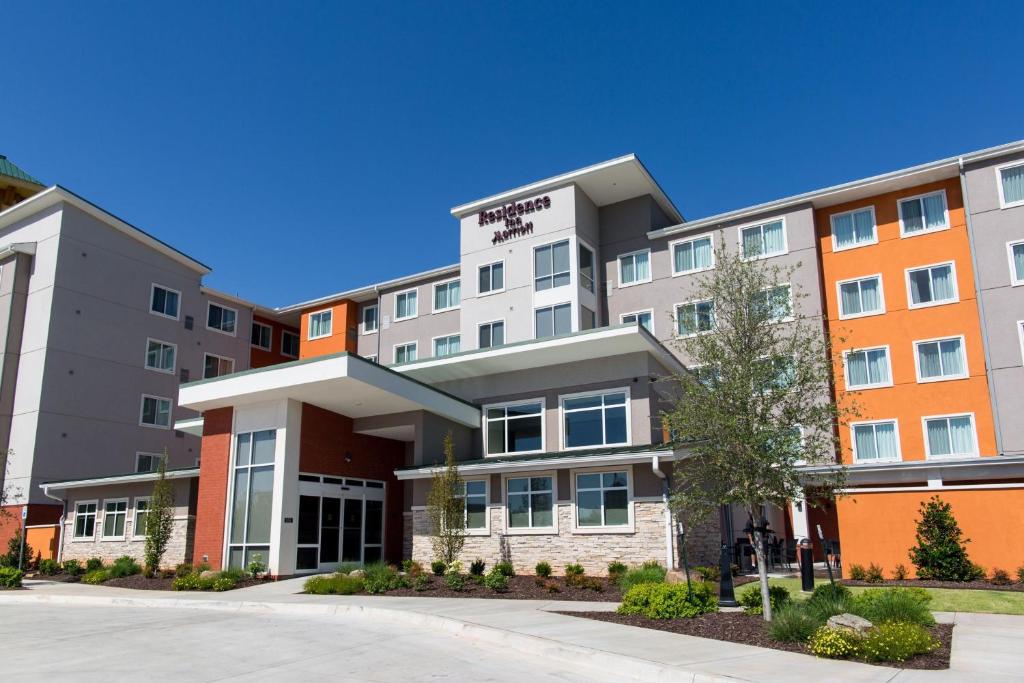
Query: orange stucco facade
[[344, 321]]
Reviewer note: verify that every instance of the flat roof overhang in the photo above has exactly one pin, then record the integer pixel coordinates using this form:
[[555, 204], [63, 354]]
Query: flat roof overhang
[[536, 353], [921, 471], [183, 473], [342, 383]]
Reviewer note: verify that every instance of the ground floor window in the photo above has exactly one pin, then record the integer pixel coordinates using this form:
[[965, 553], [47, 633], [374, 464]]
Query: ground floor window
[[530, 503], [602, 499], [252, 495], [476, 503], [139, 522], [114, 514], [85, 520]]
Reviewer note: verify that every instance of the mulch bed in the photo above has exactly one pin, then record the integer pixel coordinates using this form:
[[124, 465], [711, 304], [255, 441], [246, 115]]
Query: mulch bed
[[923, 583], [519, 588], [748, 629]]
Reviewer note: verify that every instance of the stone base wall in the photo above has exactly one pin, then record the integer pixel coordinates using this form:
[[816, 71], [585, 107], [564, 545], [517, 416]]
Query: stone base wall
[[179, 548]]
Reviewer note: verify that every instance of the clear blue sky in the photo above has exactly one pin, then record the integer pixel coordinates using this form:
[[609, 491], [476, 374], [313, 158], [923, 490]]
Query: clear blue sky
[[247, 133]]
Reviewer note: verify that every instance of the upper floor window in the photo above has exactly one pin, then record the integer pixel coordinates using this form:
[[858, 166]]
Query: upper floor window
[[156, 412], [164, 301], [874, 441], [320, 324], [868, 368], [932, 285], [692, 255], [1016, 253], [289, 344], [160, 355], [762, 241], [776, 302], [446, 346], [514, 428], [645, 318], [1011, 185], [148, 462], [220, 318], [950, 435], [602, 499], [551, 266], [262, 335], [217, 366], [595, 419], [447, 295], [491, 334], [635, 268], [405, 353], [553, 320], [940, 359], [406, 305], [586, 268], [854, 229], [370, 322], [922, 214], [695, 317], [492, 278], [861, 297]]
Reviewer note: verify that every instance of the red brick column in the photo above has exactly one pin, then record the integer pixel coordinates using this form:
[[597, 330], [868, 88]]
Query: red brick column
[[212, 498]]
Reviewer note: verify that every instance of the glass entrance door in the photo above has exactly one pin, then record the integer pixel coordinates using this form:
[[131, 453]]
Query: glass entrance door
[[339, 520], [352, 546], [330, 520]]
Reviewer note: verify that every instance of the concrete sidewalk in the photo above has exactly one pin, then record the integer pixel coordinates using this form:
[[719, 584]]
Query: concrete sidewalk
[[985, 646]]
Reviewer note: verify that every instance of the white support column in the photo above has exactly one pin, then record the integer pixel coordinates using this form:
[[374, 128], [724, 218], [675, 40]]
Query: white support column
[[801, 527], [284, 523]]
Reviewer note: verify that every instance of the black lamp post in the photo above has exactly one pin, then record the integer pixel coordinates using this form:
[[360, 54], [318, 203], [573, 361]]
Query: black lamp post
[[726, 591]]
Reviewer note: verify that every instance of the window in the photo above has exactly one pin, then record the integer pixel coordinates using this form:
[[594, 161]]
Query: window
[[220, 318], [492, 278], [370, 322], [156, 412], [446, 346], [926, 213], [217, 366], [405, 353], [867, 368], [695, 317], [160, 355], [164, 301], [586, 268], [406, 305], [261, 336], [1011, 185], [949, 435], [289, 344], [85, 520], [320, 324], [874, 441], [1020, 333], [115, 512], [139, 518], [602, 499], [252, 493], [762, 241], [1015, 251], [595, 420], [148, 462], [932, 285], [940, 359], [553, 320], [447, 295], [635, 268], [551, 266], [475, 494], [854, 229], [492, 334], [861, 297], [530, 503], [588, 319], [514, 428], [692, 256], [645, 318], [776, 302]]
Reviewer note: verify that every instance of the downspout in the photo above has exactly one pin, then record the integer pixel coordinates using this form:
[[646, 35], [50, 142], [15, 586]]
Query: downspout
[[60, 529], [985, 342], [380, 323], [656, 469]]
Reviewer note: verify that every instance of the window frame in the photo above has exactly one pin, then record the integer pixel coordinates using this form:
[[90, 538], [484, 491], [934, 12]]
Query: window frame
[[689, 240], [694, 302], [860, 278], [135, 517], [930, 304], [582, 245], [170, 411], [530, 530], [629, 527], [976, 452], [433, 297], [406, 292], [1003, 204], [792, 304], [920, 198], [1014, 280], [506, 404], [586, 394], [394, 351], [75, 538], [298, 339], [650, 267], [622, 316], [152, 290], [491, 322], [270, 336], [209, 307], [433, 344], [362, 319], [174, 363], [761, 224], [865, 349], [896, 432], [874, 227], [941, 378], [504, 278], [551, 247], [245, 544], [207, 354], [124, 525], [309, 324], [149, 454], [553, 307], [485, 530]]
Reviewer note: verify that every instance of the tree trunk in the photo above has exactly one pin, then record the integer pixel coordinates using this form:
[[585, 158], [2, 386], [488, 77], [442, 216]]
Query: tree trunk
[[762, 565]]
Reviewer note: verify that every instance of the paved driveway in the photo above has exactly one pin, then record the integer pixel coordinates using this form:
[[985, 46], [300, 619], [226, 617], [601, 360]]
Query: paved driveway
[[96, 643]]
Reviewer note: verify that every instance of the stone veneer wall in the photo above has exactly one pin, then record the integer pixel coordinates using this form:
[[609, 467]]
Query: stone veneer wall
[[179, 548]]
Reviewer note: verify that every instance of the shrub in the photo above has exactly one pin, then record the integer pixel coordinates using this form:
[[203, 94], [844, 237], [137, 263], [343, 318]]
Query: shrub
[[335, 584], [941, 550], [873, 574], [709, 573], [543, 570], [183, 569], [223, 583], [348, 567], [574, 575], [438, 567], [900, 572], [420, 582], [93, 563], [10, 577], [896, 642], [550, 585], [189, 582], [1020, 574], [455, 581], [381, 578], [616, 570], [48, 567], [201, 567], [72, 567], [794, 623], [476, 568], [236, 574], [834, 643], [256, 566], [750, 599], [496, 581], [506, 568], [669, 600], [1000, 577], [124, 566], [857, 572], [906, 605], [97, 576], [827, 600], [406, 565], [640, 575], [16, 552]]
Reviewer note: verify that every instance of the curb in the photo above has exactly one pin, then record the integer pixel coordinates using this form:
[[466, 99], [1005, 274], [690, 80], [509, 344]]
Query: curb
[[626, 666]]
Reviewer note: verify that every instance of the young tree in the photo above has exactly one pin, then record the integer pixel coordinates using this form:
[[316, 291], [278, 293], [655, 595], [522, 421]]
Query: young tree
[[159, 519], [756, 404], [446, 508], [941, 550]]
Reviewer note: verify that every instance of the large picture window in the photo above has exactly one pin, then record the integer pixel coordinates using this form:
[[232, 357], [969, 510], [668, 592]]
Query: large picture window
[[252, 493], [515, 428], [590, 420], [551, 266], [530, 502], [602, 499]]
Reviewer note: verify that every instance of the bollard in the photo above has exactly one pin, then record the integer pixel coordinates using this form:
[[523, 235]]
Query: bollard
[[806, 565]]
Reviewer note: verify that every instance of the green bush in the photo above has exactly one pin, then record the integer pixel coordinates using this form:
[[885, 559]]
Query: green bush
[[616, 570], [97, 576], [543, 569], [709, 573], [669, 600], [93, 563], [16, 552], [455, 581], [72, 567], [794, 623], [899, 572], [857, 572], [496, 581], [477, 567], [10, 577], [895, 642], [1020, 574], [750, 599], [48, 567], [420, 582], [941, 549], [1000, 577], [256, 566], [438, 567], [834, 643], [183, 569], [873, 574], [381, 578], [506, 568], [223, 583], [641, 575], [348, 567], [906, 605], [828, 600], [124, 566], [189, 582], [832, 591], [575, 575]]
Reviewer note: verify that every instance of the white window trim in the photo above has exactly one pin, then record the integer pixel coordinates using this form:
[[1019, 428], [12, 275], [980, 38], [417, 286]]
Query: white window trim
[[490, 322], [506, 404], [297, 336], [362, 319], [552, 307], [504, 278], [145, 359], [147, 453], [1020, 332], [896, 432], [124, 528], [650, 267], [585, 394], [944, 378], [839, 296], [761, 224], [136, 536], [149, 304], [433, 297], [170, 412], [210, 304], [629, 527], [309, 324], [433, 345], [672, 254], [638, 313], [486, 530], [571, 271], [865, 387], [675, 311], [394, 351], [95, 521], [999, 184], [1014, 280], [530, 531], [924, 231], [218, 357], [945, 302], [874, 230], [257, 323], [974, 435], [792, 306], [397, 319]]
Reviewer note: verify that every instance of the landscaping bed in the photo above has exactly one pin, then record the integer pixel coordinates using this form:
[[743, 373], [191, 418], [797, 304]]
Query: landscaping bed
[[519, 588], [165, 583], [979, 584]]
